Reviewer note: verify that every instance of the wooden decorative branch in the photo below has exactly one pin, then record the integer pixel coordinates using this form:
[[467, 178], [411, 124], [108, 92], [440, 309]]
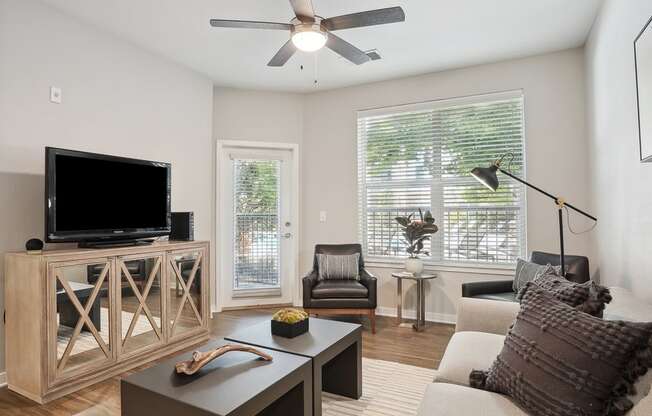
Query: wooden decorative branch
[[200, 359]]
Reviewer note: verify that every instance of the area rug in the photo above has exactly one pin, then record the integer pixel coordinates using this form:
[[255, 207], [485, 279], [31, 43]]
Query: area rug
[[388, 389]]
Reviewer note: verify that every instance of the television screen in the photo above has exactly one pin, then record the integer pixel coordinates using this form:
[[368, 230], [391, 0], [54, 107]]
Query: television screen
[[95, 197]]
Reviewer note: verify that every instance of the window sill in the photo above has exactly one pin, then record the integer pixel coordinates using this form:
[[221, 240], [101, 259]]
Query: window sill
[[490, 269], [256, 293]]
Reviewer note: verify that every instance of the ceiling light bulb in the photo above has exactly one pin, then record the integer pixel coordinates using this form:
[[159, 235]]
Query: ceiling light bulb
[[309, 41]]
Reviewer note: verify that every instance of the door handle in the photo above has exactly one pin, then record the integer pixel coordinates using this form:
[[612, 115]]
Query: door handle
[[287, 235]]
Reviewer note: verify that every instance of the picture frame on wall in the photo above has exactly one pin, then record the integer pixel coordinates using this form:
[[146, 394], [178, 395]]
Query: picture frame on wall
[[643, 68]]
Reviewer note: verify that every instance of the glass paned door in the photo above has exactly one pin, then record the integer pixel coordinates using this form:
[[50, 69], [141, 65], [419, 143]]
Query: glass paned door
[[256, 256], [185, 308], [140, 302], [82, 312], [256, 202]]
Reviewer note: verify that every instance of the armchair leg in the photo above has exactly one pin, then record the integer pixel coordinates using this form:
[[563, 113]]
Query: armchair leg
[[372, 317]]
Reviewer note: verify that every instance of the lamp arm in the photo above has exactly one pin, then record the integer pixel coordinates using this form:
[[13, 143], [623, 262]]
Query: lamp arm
[[557, 200]]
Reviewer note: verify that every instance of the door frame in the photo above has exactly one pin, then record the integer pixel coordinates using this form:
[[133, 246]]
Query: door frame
[[222, 146]]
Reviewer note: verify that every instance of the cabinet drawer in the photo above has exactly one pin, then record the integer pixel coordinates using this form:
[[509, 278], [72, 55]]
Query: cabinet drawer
[[140, 303], [80, 315], [187, 296]]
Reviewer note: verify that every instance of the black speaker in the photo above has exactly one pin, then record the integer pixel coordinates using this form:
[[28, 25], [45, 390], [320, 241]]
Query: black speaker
[[34, 245], [183, 226]]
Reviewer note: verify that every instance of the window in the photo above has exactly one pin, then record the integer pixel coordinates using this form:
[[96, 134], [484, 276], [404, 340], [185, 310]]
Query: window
[[256, 201], [418, 157]]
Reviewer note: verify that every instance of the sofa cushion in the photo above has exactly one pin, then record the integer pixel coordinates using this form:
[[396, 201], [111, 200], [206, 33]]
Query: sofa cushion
[[443, 399], [482, 315], [339, 267], [559, 361], [642, 408], [627, 307], [339, 289], [465, 352]]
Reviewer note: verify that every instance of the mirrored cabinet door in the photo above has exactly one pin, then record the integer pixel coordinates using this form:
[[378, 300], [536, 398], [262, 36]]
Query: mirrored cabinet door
[[185, 296], [80, 298], [141, 306]]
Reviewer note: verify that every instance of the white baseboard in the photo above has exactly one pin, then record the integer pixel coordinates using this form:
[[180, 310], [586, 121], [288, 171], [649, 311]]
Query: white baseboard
[[3, 379], [443, 318]]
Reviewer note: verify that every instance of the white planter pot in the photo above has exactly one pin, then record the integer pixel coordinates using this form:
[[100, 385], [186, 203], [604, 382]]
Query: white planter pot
[[414, 266]]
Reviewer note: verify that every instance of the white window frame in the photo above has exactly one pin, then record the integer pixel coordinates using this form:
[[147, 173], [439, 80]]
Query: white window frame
[[430, 264]]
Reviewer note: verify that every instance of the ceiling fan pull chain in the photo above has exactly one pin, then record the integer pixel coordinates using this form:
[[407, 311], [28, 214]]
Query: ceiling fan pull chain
[[314, 68]]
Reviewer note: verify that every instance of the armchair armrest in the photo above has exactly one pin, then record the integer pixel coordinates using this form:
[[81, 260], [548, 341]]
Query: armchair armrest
[[482, 315], [308, 283], [472, 289], [370, 282]]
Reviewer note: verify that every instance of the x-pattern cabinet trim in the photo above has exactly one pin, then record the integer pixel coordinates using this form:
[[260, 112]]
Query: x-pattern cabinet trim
[[34, 367]]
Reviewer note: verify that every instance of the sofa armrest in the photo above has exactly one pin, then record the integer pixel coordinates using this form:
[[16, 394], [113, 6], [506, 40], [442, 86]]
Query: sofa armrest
[[472, 289], [370, 282], [482, 315], [308, 282]]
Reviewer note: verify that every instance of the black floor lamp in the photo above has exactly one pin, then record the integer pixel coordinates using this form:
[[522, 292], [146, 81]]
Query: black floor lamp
[[488, 177]]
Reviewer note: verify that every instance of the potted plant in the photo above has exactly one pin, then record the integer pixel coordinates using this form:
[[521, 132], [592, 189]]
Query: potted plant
[[289, 322], [415, 233]]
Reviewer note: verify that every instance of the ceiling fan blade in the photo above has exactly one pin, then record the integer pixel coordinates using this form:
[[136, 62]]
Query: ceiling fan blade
[[246, 24], [303, 9], [347, 50], [283, 54], [368, 18]]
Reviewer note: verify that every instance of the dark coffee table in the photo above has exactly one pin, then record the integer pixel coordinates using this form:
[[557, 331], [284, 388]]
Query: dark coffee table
[[335, 350], [235, 384]]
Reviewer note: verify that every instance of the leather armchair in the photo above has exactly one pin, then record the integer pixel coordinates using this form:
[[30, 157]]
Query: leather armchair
[[577, 270], [340, 297]]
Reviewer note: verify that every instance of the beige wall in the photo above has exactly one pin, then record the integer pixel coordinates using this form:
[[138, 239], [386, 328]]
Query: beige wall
[[117, 99], [620, 184], [257, 115], [324, 124], [121, 100], [553, 86]]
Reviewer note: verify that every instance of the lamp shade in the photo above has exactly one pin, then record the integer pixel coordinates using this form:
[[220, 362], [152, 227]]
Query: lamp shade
[[487, 176]]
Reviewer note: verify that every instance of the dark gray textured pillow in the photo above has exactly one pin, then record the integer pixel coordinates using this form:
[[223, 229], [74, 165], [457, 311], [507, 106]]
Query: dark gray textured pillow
[[339, 267], [526, 271], [588, 297], [559, 361]]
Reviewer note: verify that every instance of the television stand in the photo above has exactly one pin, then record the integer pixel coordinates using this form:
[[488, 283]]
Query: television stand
[[115, 243]]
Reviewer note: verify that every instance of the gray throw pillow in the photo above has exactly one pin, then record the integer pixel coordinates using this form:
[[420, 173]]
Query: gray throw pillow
[[588, 297], [526, 271], [559, 361], [339, 267]]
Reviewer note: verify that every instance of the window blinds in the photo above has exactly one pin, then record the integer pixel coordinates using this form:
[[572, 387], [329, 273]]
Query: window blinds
[[419, 157]]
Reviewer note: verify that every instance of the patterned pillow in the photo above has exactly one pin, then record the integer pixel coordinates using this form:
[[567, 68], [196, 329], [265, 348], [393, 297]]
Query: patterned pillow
[[557, 360], [339, 267], [587, 297], [526, 271]]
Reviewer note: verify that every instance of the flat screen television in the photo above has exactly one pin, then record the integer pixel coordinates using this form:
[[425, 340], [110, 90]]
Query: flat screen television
[[93, 199]]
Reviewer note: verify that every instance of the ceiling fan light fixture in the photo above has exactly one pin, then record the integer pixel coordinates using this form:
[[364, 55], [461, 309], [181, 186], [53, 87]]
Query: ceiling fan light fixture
[[309, 38]]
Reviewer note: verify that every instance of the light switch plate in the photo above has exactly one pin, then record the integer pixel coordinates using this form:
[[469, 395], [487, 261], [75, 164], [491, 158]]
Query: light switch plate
[[322, 216], [55, 95]]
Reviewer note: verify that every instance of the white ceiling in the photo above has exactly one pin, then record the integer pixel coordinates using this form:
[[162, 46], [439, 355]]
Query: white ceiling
[[437, 35]]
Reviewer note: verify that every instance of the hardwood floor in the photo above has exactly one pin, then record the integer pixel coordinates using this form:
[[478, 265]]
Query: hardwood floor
[[390, 343]]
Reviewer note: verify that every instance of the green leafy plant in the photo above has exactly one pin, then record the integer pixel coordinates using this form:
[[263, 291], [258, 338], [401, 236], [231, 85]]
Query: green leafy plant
[[416, 232]]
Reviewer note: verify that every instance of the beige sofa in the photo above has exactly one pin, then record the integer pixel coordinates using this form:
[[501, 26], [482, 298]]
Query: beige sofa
[[479, 337]]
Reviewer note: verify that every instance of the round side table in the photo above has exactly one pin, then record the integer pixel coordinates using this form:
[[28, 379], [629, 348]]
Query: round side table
[[421, 297]]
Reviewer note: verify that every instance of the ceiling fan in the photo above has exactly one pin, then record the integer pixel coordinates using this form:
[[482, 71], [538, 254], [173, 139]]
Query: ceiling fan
[[310, 32]]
